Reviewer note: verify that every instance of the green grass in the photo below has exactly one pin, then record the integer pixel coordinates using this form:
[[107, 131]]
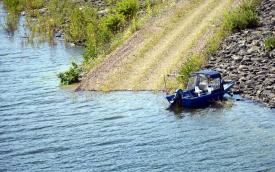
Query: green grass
[[127, 8], [192, 64], [99, 35], [81, 25], [269, 43], [16, 6], [244, 16]]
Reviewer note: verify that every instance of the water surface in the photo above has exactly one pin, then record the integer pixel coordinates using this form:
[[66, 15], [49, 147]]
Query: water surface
[[46, 128]]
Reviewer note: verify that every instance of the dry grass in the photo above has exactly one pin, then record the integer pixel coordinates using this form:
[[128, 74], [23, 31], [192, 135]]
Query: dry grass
[[171, 41]]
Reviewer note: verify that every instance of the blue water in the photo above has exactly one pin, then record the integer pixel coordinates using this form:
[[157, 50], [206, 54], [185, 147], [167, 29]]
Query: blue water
[[47, 128]]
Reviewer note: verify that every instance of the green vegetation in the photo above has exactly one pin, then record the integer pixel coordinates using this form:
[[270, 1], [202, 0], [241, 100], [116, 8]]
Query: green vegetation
[[192, 64], [243, 16], [114, 22], [79, 22], [10, 23], [16, 6], [72, 75], [128, 8], [269, 43]]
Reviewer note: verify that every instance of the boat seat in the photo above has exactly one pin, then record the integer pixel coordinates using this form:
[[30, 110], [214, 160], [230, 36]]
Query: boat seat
[[203, 87], [198, 90]]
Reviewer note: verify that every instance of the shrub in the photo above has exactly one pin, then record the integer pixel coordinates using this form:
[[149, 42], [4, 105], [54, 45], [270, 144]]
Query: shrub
[[113, 22], [91, 46], [135, 25], [79, 20], [71, 76], [34, 4], [104, 35], [128, 8], [243, 17], [193, 63], [14, 6], [269, 43]]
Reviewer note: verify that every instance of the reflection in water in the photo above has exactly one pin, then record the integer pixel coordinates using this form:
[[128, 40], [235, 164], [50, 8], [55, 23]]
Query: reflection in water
[[227, 103], [10, 23], [30, 33]]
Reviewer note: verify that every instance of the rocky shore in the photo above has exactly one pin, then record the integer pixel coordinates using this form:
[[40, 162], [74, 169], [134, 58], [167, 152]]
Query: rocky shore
[[243, 58]]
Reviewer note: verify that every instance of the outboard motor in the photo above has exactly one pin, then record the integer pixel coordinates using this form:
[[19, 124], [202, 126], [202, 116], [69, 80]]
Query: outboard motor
[[177, 100]]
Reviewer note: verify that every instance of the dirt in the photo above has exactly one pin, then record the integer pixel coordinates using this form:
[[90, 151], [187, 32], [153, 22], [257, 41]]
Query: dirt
[[159, 48]]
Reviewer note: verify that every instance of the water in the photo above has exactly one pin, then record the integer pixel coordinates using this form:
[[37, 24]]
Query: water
[[46, 128]]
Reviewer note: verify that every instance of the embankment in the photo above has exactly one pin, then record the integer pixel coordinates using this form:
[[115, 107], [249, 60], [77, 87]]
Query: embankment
[[159, 48], [243, 58]]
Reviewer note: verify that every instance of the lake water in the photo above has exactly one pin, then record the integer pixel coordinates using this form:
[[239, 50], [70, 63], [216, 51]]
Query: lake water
[[46, 128]]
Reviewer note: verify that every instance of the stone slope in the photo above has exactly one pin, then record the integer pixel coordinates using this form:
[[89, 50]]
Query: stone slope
[[243, 58]]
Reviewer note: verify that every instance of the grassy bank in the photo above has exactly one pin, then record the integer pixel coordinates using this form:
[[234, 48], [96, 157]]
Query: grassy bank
[[81, 24], [241, 17]]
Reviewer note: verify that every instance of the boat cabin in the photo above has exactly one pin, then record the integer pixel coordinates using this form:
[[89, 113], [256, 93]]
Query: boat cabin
[[204, 87], [205, 82]]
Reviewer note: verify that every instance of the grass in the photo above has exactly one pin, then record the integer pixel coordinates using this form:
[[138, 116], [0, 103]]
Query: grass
[[182, 47], [10, 23], [79, 22], [16, 6], [168, 26], [244, 16], [269, 43], [81, 25]]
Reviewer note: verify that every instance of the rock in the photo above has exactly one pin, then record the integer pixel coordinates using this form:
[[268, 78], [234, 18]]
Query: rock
[[236, 58], [103, 12], [72, 44], [243, 67], [246, 59], [253, 49], [256, 43], [23, 13], [58, 34], [42, 10]]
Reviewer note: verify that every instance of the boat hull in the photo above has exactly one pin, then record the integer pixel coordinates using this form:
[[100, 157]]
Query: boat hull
[[185, 98]]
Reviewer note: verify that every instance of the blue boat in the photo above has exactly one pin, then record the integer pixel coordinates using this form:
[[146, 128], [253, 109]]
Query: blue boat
[[204, 87]]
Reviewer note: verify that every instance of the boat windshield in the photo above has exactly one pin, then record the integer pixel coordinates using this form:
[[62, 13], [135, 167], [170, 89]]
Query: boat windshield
[[191, 83], [203, 82], [215, 83]]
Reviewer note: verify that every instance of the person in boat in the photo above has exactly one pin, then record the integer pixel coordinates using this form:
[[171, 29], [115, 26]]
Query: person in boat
[[203, 85]]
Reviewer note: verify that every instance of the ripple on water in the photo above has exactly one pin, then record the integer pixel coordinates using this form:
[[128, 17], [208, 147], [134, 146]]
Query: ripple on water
[[45, 128]]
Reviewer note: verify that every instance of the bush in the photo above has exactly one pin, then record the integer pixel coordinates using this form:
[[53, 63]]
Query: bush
[[269, 43], [14, 6], [34, 4], [91, 45], [128, 8], [243, 17], [193, 64], [113, 22], [79, 20], [71, 76]]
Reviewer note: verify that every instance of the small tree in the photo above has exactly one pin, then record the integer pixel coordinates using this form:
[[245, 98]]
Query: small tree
[[113, 22], [128, 8]]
